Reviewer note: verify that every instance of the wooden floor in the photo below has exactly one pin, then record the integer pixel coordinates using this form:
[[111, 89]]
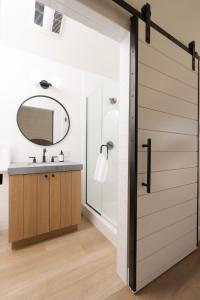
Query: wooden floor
[[182, 282], [81, 266]]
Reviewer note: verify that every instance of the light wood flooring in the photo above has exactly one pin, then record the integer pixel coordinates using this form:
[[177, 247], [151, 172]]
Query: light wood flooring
[[81, 266]]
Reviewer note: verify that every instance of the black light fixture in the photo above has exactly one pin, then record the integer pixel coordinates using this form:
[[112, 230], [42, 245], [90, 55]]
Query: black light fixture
[[45, 84]]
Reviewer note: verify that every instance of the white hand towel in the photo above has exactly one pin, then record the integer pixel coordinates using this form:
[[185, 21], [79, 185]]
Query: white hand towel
[[5, 157], [101, 170]]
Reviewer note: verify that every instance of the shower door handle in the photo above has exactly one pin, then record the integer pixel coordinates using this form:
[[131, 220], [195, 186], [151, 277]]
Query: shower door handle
[[148, 183]]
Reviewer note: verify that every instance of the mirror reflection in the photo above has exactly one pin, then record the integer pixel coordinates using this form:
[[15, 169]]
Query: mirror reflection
[[43, 120]]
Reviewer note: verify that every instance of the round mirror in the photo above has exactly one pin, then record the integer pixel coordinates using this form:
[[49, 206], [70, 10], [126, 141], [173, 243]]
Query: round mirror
[[43, 120]]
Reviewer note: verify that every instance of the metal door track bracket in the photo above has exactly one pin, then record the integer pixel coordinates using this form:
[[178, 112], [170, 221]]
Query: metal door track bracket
[[146, 13]]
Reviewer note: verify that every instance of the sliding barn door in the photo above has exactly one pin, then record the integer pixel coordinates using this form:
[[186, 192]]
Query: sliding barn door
[[167, 155]]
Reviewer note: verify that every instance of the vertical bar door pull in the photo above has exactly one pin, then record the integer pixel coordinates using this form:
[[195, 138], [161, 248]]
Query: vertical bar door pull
[[148, 183]]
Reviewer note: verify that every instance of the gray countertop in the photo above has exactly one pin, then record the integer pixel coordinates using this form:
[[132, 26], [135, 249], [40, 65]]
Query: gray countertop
[[31, 168]]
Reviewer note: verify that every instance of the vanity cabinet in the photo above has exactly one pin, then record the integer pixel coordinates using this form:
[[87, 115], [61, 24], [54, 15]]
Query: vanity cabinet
[[43, 203]]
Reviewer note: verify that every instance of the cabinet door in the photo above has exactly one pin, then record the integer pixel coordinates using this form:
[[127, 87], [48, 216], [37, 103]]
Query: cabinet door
[[55, 202], [30, 205], [76, 197], [43, 204], [16, 204], [66, 195]]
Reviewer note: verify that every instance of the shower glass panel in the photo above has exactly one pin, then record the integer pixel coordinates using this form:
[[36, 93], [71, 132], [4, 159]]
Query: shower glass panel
[[94, 132], [102, 127]]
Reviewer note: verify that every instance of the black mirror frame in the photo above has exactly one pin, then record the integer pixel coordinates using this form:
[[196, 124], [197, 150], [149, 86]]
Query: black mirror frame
[[45, 96]]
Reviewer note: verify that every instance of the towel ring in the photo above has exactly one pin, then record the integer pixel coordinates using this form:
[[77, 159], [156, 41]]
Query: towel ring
[[109, 146]]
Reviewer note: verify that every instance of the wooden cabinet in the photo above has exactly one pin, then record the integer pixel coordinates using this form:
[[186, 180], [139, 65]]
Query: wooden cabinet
[[65, 197], [30, 206], [76, 195], [16, 204], [55, 212], [43, 203]]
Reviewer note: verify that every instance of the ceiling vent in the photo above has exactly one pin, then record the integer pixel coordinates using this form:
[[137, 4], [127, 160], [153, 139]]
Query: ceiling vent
[[57, 22], [48, 19], [39, 13]]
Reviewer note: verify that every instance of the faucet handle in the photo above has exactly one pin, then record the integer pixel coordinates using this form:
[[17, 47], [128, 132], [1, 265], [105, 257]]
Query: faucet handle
[[44, 155], [52, 158], [34, 159]]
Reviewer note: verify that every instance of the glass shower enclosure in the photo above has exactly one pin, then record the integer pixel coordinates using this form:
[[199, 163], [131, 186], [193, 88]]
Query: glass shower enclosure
[[102, 118]]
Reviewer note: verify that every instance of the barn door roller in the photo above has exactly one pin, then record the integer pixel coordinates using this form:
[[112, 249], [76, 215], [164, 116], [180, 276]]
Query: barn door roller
[[146, 13]]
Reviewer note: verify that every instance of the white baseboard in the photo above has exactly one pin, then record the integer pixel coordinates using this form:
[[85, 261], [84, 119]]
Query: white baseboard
[[102, 225]]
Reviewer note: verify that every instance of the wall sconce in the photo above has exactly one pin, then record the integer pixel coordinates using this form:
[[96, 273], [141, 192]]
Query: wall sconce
[[54, 81], [45, 84]]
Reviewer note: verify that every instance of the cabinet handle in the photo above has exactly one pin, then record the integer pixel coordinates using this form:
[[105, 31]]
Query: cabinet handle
[[53, 175], [46, 176]]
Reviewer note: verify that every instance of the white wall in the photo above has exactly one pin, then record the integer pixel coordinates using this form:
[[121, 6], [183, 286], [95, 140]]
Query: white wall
[[122, 249], [78, 45]]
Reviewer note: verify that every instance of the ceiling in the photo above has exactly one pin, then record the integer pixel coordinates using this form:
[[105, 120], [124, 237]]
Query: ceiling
[[180, 18]]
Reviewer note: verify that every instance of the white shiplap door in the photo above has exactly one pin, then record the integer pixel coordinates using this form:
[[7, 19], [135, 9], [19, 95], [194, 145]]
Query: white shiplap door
[[168, 115]]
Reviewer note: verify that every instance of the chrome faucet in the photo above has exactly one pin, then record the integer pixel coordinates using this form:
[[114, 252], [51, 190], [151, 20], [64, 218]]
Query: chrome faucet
[[44, 156]]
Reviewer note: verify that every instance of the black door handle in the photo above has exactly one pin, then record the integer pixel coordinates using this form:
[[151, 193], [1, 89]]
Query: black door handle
[[148, 183]]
